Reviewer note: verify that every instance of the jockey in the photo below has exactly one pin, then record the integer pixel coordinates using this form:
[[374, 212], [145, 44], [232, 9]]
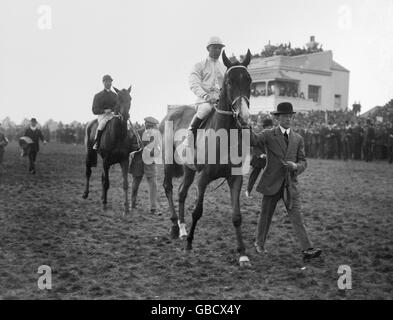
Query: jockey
[[205, 81], [104, 104]]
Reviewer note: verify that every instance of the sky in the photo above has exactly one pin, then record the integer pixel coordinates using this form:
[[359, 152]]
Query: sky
[[53, 53]]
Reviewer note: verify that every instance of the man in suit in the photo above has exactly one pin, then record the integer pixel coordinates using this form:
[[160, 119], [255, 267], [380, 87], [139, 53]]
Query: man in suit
[[369, 141], [104, 104], [258, 160], [3, 144], [390, 143], [139, 168], [285, 161], [35, 134]]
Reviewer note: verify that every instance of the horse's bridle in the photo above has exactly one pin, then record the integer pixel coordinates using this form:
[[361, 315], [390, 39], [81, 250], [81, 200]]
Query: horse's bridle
[[234, 112]]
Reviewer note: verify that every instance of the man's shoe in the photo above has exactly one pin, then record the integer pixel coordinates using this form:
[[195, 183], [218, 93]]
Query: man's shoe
[[311, 253], [259, 249], [155, 212]]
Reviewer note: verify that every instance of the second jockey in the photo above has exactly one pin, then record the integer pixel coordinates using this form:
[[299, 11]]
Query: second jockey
[[104, 104], [206, 81]]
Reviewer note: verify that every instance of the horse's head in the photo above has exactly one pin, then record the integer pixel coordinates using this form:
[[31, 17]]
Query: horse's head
[[124, 102], [235, 95]]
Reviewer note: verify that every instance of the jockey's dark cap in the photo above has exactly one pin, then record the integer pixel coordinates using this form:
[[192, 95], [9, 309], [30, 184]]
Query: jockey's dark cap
[[151, 121], [267, 123], [107, 77]]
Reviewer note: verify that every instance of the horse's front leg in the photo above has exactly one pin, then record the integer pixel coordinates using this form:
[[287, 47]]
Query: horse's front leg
[[124, 169], [168, 187], [188, 179], [88, 175], [203, 182], [235, 184], [105, 184]]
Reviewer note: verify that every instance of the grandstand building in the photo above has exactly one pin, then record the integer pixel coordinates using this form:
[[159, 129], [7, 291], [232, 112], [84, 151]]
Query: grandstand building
[[311, 81]]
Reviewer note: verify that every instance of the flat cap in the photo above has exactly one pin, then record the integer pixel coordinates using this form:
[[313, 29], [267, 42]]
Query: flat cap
[[151, 120]]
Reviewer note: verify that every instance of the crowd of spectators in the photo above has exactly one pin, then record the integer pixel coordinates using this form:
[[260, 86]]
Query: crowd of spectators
[[343, 134], [73, 133], [327, 134]]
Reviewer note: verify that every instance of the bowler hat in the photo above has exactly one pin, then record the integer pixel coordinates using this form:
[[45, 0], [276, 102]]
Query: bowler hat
[[284, 108], [151, 120], [267, 123], [107, 77], [33, 120]]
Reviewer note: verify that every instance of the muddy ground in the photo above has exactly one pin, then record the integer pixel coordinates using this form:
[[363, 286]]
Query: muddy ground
[[347, 207]]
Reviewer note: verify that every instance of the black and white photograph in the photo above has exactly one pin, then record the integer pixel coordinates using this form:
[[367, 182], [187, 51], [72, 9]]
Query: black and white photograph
[[215, 152]]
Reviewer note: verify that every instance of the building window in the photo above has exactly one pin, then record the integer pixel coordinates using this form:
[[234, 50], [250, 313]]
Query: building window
[[337, 101], [314, 93]]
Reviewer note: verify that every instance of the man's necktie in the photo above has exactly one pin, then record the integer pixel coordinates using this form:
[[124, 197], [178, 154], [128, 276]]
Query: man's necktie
[[286, 138]]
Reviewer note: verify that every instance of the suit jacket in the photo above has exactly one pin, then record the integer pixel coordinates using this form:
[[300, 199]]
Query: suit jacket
[[277, 152], [34, 135]]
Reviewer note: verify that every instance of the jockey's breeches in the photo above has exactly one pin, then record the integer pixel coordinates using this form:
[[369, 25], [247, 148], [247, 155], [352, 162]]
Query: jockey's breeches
[[103, 119], [203, 110]]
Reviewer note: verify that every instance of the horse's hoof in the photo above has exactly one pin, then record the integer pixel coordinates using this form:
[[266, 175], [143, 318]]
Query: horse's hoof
[[244, 262], [183, 231], [175, 232], [85, 195], [188, 247]]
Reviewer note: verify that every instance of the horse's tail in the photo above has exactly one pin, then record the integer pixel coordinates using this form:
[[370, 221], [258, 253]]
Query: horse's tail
[[91, 154]]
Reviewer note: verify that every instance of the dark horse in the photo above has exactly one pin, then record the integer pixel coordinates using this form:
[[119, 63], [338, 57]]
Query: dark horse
[[231, 114], [116, 145]]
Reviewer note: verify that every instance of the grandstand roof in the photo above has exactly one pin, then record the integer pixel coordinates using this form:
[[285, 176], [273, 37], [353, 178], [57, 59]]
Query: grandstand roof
[[273, 75]]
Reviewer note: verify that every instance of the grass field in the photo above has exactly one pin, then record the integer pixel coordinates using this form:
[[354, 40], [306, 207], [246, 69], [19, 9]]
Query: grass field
[[347, 209]]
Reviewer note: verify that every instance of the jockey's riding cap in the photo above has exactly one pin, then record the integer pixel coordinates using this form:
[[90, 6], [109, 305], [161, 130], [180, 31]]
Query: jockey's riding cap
[[215, 40], [107, 77]]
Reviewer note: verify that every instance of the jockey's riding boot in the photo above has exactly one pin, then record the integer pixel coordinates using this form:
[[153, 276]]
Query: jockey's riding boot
[[98, 139], [192, 131]]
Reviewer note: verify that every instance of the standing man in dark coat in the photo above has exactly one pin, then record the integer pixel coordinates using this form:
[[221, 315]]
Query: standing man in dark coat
[[258, 160], [3, 144], [285, 161], [35, 134], [390, 142], [357, 139], [369, 141], [346, 138], [139, 168]]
